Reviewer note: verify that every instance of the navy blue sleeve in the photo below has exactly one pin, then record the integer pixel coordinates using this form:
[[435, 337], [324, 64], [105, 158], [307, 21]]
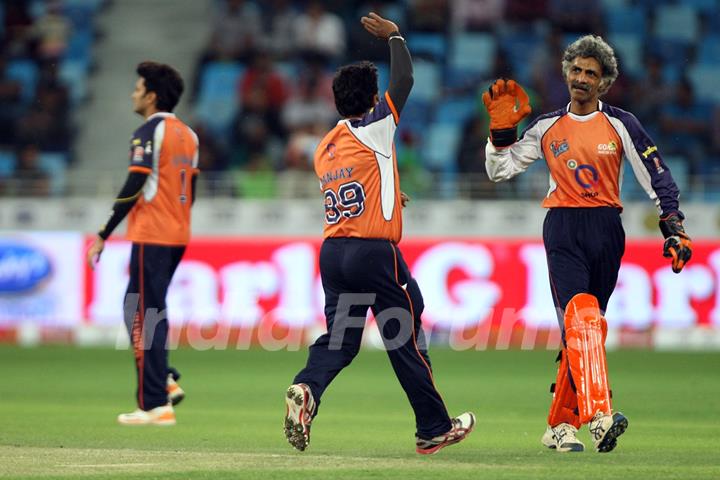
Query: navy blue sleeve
[[141, 145], [401, 73], [650, 169]]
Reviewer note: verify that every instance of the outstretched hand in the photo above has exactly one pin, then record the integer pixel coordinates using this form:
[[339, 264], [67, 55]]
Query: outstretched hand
[[507, 103], [378, 26]]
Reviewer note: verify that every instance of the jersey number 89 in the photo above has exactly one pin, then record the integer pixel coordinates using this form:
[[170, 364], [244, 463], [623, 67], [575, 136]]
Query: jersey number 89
[[348, 202]]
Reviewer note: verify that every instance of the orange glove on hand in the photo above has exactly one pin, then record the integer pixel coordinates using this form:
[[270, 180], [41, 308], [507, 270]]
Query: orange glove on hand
[[678, 245], [507, 104]]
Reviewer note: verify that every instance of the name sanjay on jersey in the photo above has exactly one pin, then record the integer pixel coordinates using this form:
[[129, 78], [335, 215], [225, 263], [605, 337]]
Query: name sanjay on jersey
[[340, 173]]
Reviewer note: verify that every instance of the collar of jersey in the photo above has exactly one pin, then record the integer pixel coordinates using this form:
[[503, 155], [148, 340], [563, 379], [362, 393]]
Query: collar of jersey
[[584, 118], [161, 115]]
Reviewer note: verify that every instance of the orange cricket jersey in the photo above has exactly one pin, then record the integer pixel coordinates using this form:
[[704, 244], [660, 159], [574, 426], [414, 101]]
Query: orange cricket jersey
[[357, 169], [585, 155], [166, 149]]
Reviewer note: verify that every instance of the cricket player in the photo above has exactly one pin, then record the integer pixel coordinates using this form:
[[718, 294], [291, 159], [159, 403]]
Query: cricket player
[[357, 170], [584, 145], [157, 195]]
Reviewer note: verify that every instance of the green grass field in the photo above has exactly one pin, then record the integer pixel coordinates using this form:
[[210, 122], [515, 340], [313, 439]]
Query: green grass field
[[58, 407]]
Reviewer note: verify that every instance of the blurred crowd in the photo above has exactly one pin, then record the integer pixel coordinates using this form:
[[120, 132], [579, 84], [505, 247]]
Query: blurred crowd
[[263, 96], [262, 99], [44, 65]]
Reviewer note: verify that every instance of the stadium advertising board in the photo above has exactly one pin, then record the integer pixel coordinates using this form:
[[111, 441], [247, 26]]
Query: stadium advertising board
[[41, 279], [478, 293]]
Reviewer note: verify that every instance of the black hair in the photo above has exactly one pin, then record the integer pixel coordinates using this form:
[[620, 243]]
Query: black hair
[[165, 81], [355, 87]]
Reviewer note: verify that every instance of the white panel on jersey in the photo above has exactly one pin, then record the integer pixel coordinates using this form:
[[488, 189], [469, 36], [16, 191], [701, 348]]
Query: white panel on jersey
[[633, 157], [151, 185], [505, 163], [553, 185], [196, 157], [378, 135], [387, 184]]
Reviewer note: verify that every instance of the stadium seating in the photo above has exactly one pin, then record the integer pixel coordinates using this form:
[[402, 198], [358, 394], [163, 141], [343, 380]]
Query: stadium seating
[[7, 164], [218, 100], [25, 72], [521, 49], [54, 164], [456, 111], [629, 47], [709, 49], [73, 73], [626, 19], [677, 22], [431, 46], [472, 52], [705, 80], [428, 81], [450, 68], [440, 147]]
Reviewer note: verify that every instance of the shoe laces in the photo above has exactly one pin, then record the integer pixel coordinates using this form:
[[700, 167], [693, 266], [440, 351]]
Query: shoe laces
[[596, 425]]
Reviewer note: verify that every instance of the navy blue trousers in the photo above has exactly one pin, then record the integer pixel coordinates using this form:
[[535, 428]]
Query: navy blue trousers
[[361, 273], [584, 247], [145, 312]]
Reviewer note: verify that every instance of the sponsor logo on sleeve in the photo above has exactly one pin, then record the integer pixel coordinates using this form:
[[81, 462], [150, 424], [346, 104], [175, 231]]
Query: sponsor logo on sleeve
[[138, 154], [658, 167], [649, 151]]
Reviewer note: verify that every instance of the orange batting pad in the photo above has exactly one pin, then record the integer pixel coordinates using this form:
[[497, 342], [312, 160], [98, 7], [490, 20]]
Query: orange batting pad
[[564, 403], [585, 331]]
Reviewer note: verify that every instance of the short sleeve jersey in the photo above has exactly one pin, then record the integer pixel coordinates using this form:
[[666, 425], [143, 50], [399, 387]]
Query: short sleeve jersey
[[167, 150], [357, 169]]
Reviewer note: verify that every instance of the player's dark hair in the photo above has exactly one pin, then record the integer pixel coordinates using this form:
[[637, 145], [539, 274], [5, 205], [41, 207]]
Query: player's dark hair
[[355, 87], [165, 81]]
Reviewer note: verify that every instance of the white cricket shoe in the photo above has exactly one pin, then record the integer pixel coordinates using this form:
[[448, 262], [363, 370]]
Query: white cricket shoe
[[562, 438], [299, 415], [174, 392], [462, 425], [163, 415], [606, 428]]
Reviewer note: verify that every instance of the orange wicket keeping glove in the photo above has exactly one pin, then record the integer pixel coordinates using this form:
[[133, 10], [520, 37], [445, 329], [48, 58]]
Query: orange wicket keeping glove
[[507, 104], [678, 245]]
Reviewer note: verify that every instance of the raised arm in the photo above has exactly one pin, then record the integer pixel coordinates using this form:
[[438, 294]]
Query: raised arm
[[401, 70], [506, 156]]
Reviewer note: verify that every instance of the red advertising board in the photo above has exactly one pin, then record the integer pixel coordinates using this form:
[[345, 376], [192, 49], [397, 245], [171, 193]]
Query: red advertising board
[[470, 286]]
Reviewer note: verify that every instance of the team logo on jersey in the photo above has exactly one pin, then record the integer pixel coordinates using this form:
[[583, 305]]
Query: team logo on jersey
[[559, 147], [586, 176], [658, 167], [607, 148], [138, 153], [148, 147], [331, 150], [572, 164]]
